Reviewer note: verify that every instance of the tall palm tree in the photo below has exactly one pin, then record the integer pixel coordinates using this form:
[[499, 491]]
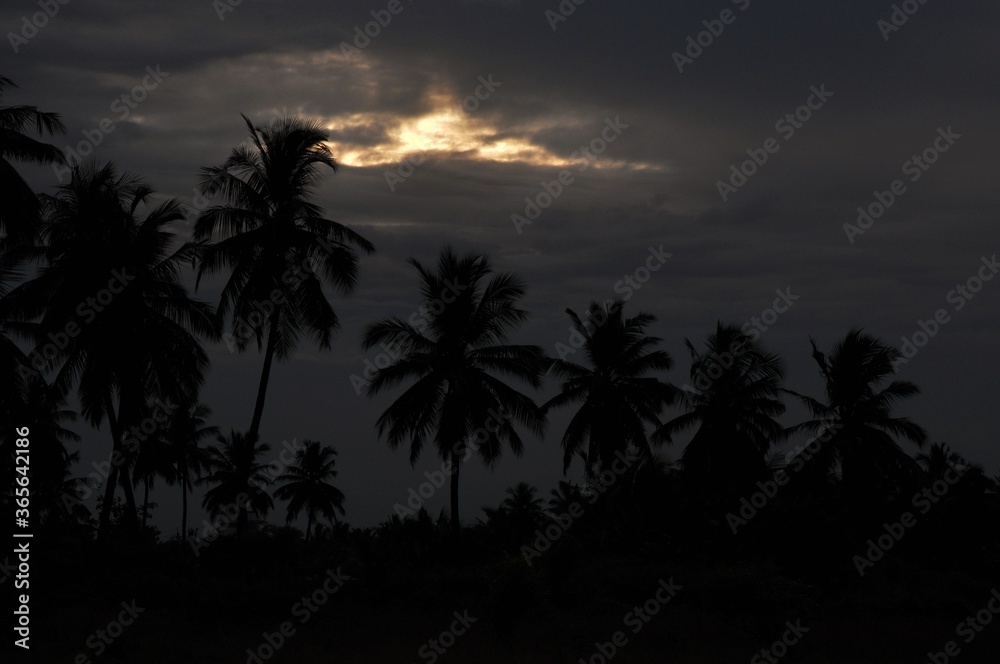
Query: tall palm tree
[[618, 397], [236, 471], [20, 210], [269, 234], [734, 402], [185, 431], [860, 398], [112, 312], [453, 358], [307, 485]]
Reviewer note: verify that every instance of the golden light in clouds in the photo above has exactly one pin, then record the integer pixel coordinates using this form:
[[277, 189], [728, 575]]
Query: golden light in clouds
[[447, 130]]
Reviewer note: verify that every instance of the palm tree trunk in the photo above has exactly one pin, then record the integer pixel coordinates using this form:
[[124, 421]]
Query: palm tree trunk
[[455, 523], [309, 526], [118, 472], [265, 374], [145, 502], [104, 521]]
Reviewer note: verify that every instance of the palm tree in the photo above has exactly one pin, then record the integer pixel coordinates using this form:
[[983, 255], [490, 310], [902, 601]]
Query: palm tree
[[733, 402], [453, 357], [307, 485], [110, 279], [20, 210], [858, 411], [619, 397], [185, 431], [939, 459], [270, 235], [239, 478]]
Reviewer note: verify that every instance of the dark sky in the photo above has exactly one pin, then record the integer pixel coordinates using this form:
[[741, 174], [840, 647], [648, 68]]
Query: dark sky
[[889, 94]]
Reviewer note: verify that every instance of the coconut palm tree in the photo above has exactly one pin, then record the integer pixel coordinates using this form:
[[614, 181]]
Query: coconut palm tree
[[307, 485], [113, 318], [154, 457], [733, 399], [618, 398], [238, 478], [939, 459], [860, 396], [185, 431], [454, 354], [20, 210], [278, 248]]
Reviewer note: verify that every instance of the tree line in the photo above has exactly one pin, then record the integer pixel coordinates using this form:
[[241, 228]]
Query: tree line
[[92, 281]]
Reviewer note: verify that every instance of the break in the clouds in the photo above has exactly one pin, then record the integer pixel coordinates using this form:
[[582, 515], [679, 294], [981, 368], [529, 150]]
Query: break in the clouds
[[448, 119]]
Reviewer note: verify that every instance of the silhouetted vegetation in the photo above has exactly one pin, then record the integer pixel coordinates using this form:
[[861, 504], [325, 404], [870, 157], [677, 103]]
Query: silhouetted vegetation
[[94, 306]]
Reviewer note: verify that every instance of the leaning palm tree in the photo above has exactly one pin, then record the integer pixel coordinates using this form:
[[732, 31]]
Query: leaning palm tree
[[307, 485], [110, 278], [862, 451], [185, 431], [733, 400], [618, 398], [238, 478], [269, 235], [20, 210], [453, 357]]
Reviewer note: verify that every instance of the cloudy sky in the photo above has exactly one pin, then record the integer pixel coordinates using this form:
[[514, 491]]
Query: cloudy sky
[[836, 96]]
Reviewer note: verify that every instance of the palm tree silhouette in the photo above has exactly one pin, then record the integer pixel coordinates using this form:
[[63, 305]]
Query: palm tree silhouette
[[733, 401], [239, 478], [185, 431], [619, 398], [453, 359], [20, 211], [858, 411], [307, 485], [110, 293], [939, 459], [270, 234]]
